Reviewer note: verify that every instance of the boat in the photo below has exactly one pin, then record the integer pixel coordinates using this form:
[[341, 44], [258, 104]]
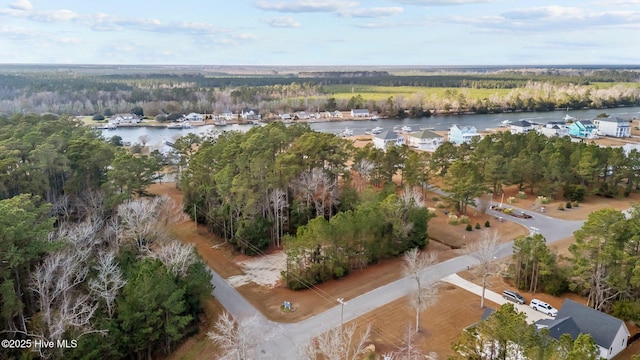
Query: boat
[[346, 132], [374, 118], [568, 118], [179, 125], [406, 129], [377, 130], [505, 123], [221, 122]]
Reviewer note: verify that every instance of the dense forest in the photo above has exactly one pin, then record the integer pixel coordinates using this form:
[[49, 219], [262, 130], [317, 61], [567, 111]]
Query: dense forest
[[161, 91], [85, 255]]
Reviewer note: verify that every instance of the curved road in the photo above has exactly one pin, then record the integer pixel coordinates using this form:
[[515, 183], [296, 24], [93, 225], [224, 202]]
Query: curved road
[[289, 338]]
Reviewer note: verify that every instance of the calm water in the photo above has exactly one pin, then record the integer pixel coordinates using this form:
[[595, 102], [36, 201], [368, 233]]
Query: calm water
[[158, 135]]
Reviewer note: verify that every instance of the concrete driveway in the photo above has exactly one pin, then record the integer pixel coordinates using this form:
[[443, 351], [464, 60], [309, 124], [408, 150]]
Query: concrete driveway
[[532, 315]]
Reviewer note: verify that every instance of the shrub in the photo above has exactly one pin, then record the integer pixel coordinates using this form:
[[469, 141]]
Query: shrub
[[469, 227], [98, 117], [464, 219], [511, 199], [575, 192], [575, 204], [487, 224], [560, 207], [435, 198], [568, 206], [339, 272], [543, 200], [626, 310], [478, 226], [440, 205], [521, 195], [453, 220]]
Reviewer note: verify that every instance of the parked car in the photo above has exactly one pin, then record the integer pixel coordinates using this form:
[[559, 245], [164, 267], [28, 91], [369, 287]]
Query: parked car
[[513, 296], [543, 307]]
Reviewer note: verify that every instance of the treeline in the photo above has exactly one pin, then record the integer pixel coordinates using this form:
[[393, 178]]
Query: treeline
[[552, 167], [254, 188], [81, 260], [93, 92]]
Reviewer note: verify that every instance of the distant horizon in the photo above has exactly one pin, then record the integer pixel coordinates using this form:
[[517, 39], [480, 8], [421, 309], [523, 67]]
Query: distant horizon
[[320, 32]]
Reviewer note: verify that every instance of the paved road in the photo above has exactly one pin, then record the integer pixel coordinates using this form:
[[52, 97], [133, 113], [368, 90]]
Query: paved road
[[289, 338]]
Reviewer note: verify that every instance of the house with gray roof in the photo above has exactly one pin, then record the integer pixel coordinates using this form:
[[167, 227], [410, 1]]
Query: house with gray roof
[[609, 333], [615, 126], [388, 138], [360, 112], [521, 127], [425, 140]]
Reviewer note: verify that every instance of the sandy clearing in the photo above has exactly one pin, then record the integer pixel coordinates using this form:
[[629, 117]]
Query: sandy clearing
[[263, 270]]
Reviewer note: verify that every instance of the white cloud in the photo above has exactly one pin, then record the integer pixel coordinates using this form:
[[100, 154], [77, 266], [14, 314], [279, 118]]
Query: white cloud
[[23, 5], [282, 22], [441, 2], [307, 6], [374, 12]]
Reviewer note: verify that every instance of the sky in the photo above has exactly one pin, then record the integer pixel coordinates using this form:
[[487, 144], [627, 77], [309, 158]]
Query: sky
[[321, 32]]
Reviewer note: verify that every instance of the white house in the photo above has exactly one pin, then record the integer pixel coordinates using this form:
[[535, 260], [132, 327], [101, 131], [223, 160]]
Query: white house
[[194, 117], [461, 135], [554, 128], [226, 115], [521, 127], [285, 117], [250, 114], [388, 138], [616, 127], [425, 140], [609, 333], [125, 119], [360, 112], [337, 114]]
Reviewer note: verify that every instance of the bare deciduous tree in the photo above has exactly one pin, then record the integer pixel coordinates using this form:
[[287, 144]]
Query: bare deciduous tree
[[337, 344], [278, 202], [424, 294], [176, 256], [411, 197], [409, 349], [239, 340], [318, 188], [144, 221], [108, 281], [364, 168], [484, 250]]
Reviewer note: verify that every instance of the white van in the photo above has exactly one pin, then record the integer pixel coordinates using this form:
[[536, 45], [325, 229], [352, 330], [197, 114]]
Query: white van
[[543, 307]]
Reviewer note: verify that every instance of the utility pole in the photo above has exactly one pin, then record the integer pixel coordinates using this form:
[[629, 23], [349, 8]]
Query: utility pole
[[342, 304]]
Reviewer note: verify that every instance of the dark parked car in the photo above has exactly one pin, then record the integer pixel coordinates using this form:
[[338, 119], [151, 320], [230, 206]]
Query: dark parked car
[[513, 296]]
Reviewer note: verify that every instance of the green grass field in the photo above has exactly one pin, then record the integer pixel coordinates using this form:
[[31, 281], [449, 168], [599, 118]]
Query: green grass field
[[376, 93]]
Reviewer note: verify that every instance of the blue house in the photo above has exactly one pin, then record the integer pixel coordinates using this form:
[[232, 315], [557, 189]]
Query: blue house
[[461, 135], [583, 129]]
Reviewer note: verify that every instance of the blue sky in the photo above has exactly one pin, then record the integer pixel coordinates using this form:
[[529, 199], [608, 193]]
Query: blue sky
[[320, 32]]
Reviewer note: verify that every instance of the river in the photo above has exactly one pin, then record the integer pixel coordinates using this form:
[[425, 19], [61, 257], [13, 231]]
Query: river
[[157, 135]]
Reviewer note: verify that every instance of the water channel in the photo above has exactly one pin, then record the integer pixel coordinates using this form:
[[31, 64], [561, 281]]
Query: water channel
[[157, 135]]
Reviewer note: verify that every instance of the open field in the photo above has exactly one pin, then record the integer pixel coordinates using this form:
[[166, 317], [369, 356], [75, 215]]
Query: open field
[[377, 93]]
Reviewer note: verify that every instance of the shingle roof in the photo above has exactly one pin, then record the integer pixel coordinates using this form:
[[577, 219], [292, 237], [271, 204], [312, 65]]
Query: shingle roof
[[425, 134], [616, 119], [387, 135], [559, 326], [602, 327], [522, 123]]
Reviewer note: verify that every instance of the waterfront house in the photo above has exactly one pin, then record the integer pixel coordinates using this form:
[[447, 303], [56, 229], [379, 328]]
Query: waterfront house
[[521, 127], [227, 115], [609, 333], [250, 114], [583, 129], [616, 127], [125, 119], [554, 128], [194, 117], [462, 135], [337, 114], [285, 117], [425, 140], [360, 112], [388, 138]]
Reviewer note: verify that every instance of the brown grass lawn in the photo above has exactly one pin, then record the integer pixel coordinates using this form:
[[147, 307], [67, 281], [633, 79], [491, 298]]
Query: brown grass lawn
[[441, 323]]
